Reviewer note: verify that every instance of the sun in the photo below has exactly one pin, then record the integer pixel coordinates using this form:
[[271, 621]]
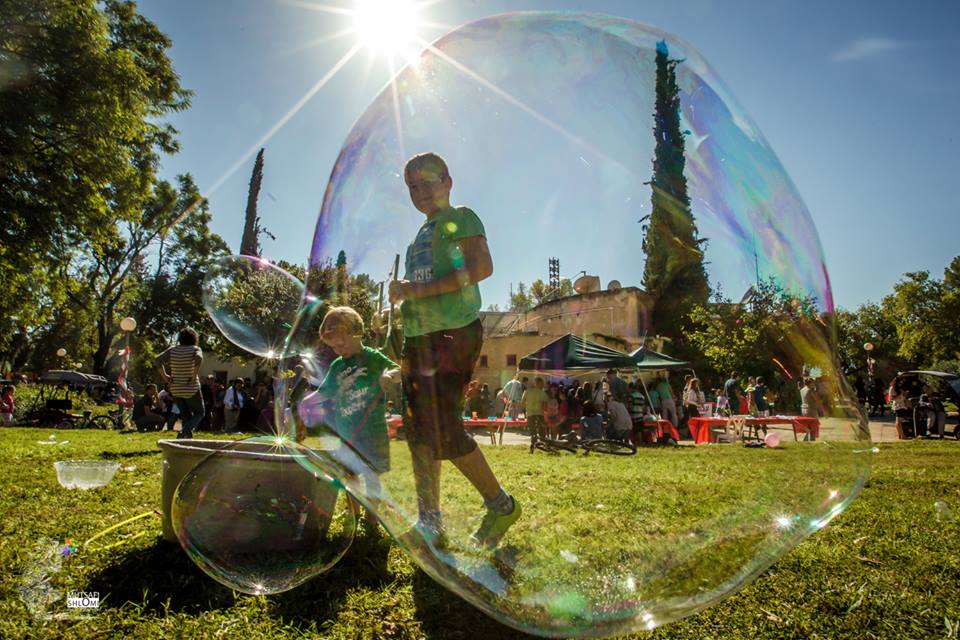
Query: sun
[[389, 27]]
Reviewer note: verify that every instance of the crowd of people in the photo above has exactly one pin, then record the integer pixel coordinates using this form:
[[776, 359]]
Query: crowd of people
[[611, 407], [917, 408], [208, 406], [555, 406]]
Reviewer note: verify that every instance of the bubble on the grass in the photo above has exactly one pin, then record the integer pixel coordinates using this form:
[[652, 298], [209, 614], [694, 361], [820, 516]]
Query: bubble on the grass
[[569, 556], [253, 302], [546, 124], [943, 510], [257, 521]]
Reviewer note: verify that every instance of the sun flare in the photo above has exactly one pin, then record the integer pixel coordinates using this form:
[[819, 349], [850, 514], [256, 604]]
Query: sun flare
[[392, 29], [389, 27]]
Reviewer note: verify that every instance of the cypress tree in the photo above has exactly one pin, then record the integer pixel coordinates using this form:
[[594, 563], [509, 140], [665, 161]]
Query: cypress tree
[[674, 274], [342, 281], [250, 241]]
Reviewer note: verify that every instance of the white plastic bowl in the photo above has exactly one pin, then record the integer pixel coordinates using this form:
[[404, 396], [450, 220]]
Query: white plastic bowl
[[85, 474]]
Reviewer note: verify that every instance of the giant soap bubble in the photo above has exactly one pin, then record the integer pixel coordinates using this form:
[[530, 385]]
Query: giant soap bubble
[[252, 302], [563, 133], [257, 521]]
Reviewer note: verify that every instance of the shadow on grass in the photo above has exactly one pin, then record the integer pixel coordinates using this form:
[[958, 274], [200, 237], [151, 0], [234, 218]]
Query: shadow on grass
[[443, 614], [159, 578], [163, 579], [440, 613], [113, 455], [364, 565]]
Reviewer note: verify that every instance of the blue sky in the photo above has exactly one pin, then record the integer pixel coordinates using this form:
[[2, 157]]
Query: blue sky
[[859, 101]]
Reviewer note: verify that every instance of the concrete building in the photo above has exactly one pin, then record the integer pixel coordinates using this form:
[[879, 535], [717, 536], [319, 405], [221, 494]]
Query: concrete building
[[617, 317], [224, 370]]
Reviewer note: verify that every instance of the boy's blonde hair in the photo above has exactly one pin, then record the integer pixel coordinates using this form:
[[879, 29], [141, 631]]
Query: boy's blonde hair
[[342, 317], [427, 161]]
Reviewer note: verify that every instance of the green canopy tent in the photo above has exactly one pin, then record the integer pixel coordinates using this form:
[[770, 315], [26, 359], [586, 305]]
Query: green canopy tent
[[648, 359], [571, 354]]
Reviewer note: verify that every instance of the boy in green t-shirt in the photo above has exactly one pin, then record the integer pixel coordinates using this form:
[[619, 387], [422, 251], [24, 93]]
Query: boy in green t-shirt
[[442, 338], [356, 382]]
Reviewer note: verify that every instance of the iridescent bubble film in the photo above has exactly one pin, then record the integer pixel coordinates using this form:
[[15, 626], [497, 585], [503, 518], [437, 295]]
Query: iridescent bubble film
[[258, 521], [557, 137], [252, 302]]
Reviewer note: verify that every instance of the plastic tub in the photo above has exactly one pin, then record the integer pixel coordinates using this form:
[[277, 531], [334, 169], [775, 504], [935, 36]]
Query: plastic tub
[[85, 474]]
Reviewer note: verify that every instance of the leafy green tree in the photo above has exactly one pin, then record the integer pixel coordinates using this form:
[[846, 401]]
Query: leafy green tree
[[526, 298], [104, 286], [85, 90], [750, 338], [272, 309], [950, 311], [169, 295], [541, 292], [257, 305], [868, 323], [69, 328], [111, 273], [521, 299], [674, 273], [915, 326], [914, 307], [926, 313]]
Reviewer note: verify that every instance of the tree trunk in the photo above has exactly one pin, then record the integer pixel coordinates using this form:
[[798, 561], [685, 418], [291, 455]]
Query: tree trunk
[[105, 335], [104, 340], [20, 350]]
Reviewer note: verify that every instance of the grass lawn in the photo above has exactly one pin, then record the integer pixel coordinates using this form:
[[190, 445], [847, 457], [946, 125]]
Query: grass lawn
[[887, 567]]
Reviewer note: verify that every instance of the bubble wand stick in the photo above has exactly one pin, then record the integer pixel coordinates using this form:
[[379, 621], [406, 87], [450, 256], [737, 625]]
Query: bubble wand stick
[[389, 332]]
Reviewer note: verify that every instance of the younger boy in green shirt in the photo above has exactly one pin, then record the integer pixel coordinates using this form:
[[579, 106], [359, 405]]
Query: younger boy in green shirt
[[356, 382]]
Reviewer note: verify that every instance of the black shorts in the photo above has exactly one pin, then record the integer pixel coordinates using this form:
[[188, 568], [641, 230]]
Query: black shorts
[[536, 425], [436, 368]]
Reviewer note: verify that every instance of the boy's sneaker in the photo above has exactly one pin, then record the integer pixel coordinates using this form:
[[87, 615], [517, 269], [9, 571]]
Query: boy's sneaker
[[494, 525]]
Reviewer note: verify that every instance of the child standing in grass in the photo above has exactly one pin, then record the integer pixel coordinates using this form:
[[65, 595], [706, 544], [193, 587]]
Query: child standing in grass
[[356, 382], [552, 411], [591, 424], [532, 402], [7, 406]]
